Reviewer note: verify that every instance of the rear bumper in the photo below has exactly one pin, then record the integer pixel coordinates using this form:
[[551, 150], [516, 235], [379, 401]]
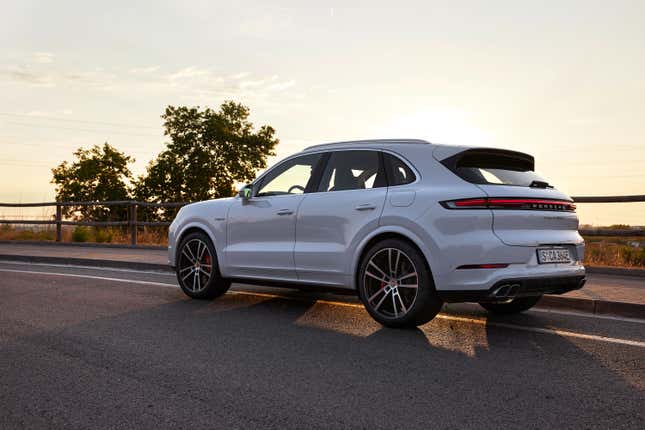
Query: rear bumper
[[508, 289]]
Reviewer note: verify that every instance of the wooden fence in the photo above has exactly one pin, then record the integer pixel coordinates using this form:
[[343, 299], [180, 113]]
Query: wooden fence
[[133, 223]]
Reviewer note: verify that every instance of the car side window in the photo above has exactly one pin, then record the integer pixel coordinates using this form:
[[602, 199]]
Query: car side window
[[352, 170], [398, 173], [291, 177]]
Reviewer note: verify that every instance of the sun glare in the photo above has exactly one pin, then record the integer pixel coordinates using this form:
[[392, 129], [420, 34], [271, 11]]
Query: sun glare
[[447, 126]]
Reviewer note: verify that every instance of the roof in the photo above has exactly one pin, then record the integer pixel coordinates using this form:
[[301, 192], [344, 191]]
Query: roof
[[367, 142]]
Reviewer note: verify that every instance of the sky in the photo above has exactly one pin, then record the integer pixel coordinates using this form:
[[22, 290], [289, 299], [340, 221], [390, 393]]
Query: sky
[[561, 80]]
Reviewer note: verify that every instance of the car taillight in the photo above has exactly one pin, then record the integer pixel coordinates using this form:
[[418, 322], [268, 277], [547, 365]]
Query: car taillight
[[510, 203]]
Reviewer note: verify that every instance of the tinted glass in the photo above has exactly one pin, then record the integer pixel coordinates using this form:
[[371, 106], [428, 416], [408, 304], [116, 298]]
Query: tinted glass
[[290, 177], [352, 170], [496, 168], [398, 172]]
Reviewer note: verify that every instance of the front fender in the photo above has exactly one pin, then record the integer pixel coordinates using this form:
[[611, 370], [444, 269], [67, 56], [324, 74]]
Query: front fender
[[179, 232]]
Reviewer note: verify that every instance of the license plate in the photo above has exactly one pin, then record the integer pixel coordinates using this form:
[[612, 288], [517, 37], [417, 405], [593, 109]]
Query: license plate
[[553, 255]]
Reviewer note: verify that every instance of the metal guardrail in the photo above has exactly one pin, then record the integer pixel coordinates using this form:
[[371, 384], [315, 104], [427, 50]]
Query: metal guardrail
[[133, 223]]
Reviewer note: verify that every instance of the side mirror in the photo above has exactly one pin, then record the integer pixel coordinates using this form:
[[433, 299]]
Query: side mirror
[[245, 192]]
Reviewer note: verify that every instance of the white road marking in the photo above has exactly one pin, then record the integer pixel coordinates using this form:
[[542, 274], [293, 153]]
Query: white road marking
[[80, 266], [479, 321], [99, 278]]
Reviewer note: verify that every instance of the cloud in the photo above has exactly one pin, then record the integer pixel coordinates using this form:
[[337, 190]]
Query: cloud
[[281, 86], [149, 69], [25, 75], [43, 57], [188, 73], [193, 84]]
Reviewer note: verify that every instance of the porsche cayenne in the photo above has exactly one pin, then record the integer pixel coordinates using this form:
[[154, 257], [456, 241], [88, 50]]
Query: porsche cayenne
[[406, 224]]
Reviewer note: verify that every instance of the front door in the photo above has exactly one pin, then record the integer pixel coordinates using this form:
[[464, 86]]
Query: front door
[[261, 230]]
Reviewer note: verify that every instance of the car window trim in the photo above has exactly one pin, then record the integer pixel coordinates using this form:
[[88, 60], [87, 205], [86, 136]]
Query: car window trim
[[257, 184], [389, 173], [381, 169], [258, 181]]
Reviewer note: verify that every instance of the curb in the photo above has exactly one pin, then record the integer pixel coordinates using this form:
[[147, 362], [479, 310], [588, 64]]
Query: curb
[[599, 270], [113, 264], [591, 306], [594, 306], [616, 271], [82, 244]]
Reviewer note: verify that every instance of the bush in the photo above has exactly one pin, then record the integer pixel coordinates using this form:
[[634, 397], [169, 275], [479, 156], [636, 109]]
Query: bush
[[103, 235], [81, 234], [633, 256]]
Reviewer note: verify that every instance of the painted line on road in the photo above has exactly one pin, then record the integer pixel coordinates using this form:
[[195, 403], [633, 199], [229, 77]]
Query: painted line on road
[[172, 275], [99, 278], [80, 266], [479, 321]]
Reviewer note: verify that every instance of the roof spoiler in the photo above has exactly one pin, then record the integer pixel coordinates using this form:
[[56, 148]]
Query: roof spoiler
[[491, 158]]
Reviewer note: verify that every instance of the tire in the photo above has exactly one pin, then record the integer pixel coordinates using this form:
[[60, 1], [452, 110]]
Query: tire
[[515, 306], [389, 297], [195, 256]]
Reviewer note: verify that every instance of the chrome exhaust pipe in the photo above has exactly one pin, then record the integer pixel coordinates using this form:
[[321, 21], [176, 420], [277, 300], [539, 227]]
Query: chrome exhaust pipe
[[506, 291]]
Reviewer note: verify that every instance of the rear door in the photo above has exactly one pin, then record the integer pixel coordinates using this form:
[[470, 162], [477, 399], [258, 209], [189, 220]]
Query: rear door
[[347, 205], [527, 210]]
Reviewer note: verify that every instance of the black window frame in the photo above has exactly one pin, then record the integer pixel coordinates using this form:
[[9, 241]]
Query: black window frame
[[311, 183], [389, 169], [380, 173]]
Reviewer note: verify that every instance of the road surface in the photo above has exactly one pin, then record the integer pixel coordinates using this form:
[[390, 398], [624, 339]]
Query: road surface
[[91, 348]]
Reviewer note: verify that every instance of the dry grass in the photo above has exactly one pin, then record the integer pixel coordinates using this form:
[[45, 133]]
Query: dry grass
[[615, 251], [112, 235], [600, 250]]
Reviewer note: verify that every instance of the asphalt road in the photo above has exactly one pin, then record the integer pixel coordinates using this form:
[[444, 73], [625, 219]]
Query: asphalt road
[[89, 348]]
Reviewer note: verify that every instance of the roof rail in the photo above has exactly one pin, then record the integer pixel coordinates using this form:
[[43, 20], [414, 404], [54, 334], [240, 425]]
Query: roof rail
[[368, 142]]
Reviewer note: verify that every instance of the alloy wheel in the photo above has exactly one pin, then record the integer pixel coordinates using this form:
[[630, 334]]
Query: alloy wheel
[[195, 265], [391, 283]]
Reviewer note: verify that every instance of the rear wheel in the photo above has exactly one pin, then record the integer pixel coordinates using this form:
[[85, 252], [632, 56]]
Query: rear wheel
[[197, 271], [396, 286], [515, 306]]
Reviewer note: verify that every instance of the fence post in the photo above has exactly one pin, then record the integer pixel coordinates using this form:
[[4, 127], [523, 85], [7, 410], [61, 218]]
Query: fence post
[[59, 218], [133, 223]]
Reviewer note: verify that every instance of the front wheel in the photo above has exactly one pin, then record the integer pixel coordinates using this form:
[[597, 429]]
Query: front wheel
[[197, 271], [515, 306], [396, 286]]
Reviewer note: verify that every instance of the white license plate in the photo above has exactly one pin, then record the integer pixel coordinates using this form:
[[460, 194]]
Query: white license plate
[[553, 255]]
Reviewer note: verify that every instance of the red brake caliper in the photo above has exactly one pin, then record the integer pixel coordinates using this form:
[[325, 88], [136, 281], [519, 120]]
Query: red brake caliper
[[207, 261]]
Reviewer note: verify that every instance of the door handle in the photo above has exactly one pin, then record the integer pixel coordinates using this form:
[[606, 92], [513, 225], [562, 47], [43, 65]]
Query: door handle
[[365, 207], [285, 212]]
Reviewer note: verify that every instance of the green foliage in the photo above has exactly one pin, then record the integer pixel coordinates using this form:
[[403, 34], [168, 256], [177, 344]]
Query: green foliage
[[208, 152], [81, 234], [100, 173], [103, 235]]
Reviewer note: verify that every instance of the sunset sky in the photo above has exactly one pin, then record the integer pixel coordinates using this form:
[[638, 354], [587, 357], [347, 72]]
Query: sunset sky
[[562, 80]]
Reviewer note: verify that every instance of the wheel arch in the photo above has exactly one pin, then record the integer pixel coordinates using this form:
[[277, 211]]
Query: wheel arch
[[388, 233], [193, 227]]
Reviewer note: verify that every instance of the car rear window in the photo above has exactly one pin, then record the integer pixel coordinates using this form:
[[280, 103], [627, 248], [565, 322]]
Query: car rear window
[[495, 167]]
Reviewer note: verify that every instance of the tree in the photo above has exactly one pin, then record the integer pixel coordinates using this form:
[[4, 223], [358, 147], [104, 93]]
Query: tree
[[208, 152], [100, 173]]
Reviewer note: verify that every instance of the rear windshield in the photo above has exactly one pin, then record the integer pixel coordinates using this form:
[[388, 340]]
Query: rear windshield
[[495, 167]]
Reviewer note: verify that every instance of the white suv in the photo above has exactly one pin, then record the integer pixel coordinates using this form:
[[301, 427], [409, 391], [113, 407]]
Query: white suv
[[408, 224]]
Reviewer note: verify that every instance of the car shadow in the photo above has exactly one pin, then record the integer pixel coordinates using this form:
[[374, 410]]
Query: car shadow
[[249, 361]]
